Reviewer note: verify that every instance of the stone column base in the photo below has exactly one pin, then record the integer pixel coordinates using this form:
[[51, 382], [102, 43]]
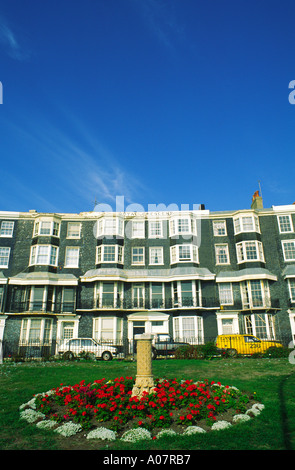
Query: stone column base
[[143, 383]]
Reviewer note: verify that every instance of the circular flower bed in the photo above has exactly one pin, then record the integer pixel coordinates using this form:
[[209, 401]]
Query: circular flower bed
[[106, 410]]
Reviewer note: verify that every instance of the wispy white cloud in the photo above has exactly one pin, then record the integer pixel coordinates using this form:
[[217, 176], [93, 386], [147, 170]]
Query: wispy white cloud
[[71, 165], [10, 43]]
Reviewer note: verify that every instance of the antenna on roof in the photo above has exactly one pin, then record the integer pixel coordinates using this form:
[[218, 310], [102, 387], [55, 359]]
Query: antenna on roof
[[95, 202], [259, 188]]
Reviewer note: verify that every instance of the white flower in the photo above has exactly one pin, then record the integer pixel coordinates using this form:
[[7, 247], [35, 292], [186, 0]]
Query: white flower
[[166, 432], [255, 410], [69, 429], [193, 430], [30, 403], [220, 425], [258, 406], [137, 434], [102, 433], [46, 424], [31, 416], [241, 417]]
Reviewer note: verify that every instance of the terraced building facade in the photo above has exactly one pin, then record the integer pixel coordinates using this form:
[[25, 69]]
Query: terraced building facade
[[110, 275]]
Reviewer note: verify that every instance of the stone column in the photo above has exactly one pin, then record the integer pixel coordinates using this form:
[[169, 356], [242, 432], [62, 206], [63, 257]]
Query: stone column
[[144, 379]]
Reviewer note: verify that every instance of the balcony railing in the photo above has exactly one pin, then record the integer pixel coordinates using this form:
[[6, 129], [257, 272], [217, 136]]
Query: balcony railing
[[146, 304], [257, 304], [42, 307]]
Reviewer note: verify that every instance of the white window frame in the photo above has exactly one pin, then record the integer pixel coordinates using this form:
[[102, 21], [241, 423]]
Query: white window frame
[[242, 255], [252, 326], [175, 255], [6, 232], [162, 294], [248, 294], [26, 329], [218, 226], [284, 242], [77, 232], [176, 226], [101, 254], [176, 293], [240, 224], [281, 223], [117, 329], [138, 229], [152, 256], [137, 299], [218, 253], [53, 231], [226, 297], [4, 257], [133, 255], [118, 293], [155, 228], [116, 227], [233, 317], [72, 261], [291, 286], [35, 253], [198, 329]]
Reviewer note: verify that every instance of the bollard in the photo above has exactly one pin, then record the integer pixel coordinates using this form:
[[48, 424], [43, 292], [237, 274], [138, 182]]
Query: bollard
[[144, 378]]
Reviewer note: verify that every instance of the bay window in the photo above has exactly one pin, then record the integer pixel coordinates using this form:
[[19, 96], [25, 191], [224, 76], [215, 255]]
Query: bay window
[[188, 329], [185, 225], [108, 294], [35, 331], [260, 325], [110, 226], [46, 227], [255, 294], [184, 253], [44, 255], [249, 251], [291, 283], [186, 294]]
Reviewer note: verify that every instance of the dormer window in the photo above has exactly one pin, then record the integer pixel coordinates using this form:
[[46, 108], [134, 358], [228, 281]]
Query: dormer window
[[246, 223]]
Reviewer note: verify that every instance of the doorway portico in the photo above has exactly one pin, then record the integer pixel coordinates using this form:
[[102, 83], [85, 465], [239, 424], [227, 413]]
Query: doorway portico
[[147, 322]]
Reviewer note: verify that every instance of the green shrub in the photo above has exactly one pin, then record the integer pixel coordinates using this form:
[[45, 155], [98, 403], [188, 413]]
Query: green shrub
[[200, 351], [273, 351]]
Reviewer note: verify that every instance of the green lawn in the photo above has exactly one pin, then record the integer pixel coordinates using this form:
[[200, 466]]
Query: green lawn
[[272, 379]]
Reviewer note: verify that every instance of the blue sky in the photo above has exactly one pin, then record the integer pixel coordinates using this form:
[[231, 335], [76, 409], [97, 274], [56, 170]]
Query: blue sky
[[159, 101]]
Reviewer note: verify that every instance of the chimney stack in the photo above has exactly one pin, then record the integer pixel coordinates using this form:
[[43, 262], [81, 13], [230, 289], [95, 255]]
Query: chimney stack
[[257, 202]]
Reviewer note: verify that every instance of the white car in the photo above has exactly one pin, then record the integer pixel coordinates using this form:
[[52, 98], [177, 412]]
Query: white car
[[75, 347]]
